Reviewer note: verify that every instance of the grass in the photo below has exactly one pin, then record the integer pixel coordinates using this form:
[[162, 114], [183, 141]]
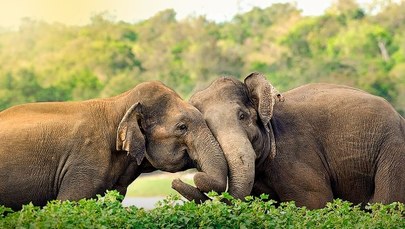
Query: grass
[[159, 184]]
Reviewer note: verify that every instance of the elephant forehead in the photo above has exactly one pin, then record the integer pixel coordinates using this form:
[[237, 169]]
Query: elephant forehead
[[180, 111], [226, 86], [222, 91]]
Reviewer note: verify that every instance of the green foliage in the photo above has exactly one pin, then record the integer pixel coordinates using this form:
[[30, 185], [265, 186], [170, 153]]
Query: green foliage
[[352, 44], [107, 212]]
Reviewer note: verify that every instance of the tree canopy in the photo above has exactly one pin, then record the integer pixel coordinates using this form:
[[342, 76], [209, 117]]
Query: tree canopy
[[348, 44]]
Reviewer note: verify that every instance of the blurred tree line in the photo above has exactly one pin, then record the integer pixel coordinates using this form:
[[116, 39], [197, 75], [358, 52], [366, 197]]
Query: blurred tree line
[[361, 46]]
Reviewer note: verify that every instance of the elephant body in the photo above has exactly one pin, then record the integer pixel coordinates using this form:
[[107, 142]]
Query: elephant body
[[74, 150], [334, 141], [310, 145]]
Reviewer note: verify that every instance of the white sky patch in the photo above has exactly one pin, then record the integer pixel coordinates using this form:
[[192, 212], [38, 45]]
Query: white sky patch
[[79, 12]]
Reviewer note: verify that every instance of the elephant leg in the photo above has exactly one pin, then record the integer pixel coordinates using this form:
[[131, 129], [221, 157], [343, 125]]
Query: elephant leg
[[262, 187], [390, 181], [312, 198], [78, 185], [305, 185]]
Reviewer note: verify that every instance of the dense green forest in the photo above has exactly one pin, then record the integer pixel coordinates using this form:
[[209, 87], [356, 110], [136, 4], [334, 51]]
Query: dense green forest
[[349, 44]]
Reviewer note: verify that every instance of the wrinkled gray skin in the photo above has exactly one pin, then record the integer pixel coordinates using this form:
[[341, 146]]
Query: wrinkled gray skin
[[74, 150], [319, 142]]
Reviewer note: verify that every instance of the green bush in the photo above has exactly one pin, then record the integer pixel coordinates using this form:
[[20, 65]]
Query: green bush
[[107, 212]]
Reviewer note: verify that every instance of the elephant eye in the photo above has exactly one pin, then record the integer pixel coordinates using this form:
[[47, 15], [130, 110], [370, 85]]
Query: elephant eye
[[242, 116], [182, 127]]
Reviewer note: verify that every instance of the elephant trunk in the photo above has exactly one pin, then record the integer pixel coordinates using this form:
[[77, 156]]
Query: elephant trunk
[[211, 163], [240, 156]]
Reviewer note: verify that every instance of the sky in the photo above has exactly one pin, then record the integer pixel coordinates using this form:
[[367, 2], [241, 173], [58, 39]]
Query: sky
[[79, 12]]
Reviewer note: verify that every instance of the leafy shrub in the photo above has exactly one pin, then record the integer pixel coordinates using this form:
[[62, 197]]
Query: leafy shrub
[[107, 212]]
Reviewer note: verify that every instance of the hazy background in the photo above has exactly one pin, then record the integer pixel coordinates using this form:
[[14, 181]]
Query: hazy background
[[75, 50]]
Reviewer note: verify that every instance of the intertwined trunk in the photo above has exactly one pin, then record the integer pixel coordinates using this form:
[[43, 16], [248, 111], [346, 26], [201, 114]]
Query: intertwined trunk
[[211, 163], [240, 157]]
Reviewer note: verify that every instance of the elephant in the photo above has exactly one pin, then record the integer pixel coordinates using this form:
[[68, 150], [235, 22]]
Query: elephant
[[310, 145], [74, 150]]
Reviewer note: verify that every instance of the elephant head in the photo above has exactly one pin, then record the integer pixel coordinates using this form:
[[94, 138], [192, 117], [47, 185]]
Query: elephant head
[[239, 115], [172, 135]]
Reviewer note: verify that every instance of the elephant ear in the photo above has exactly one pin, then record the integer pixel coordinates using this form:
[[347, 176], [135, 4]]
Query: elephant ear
[[263, 96], [129, 135]]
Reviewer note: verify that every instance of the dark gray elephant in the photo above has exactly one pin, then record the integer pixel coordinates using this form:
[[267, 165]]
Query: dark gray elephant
[[322, 142], [74, 150]]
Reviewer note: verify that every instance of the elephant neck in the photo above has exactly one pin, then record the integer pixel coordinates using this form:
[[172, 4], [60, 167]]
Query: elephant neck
[[266, 150], [125, 100], [146, 166], [112, 110]]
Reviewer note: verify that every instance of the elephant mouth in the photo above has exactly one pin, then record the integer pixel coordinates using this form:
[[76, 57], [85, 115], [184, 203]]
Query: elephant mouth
[[190, 163], [197, 166], [194, 163]]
